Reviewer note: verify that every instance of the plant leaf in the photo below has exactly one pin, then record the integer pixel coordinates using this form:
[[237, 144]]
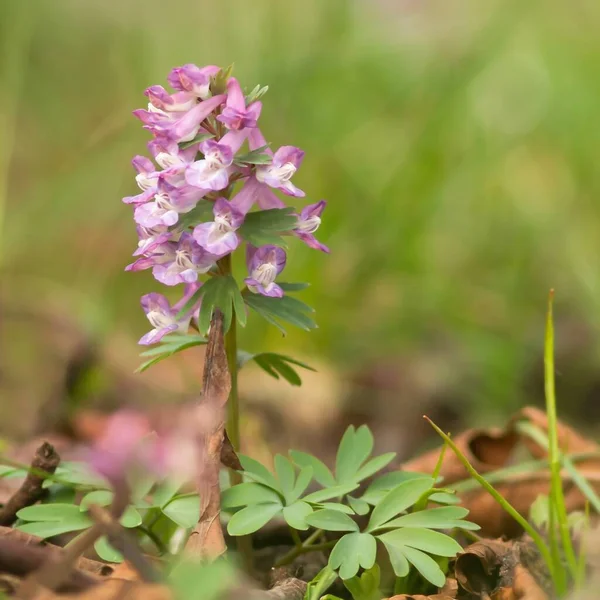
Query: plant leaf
[[444, 498], [337, 506], [252, 518], [201, 137], [355, 447], [374, 465], [446, 517], [286, 475], [183, 510], [293, 287], [258, 472], [358, 505], [49, 512], [165, 491], [397, 500], [106, 552], [99, 497], [331, 520], [295, 515], [427, 540], [354, 550], [398, 560], [320, 471], [246, 494], [131, 518], [304, 478], [48, 529], [336, 491], [286, 309], [425, 565]]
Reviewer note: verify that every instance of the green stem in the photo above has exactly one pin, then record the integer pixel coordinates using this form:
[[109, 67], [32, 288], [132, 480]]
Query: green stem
[[306, 546], [161, 547], [509, 508], [244, 543], [557, 498]]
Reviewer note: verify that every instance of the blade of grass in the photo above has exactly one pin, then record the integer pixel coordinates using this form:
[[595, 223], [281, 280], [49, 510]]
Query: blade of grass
[[557, 498], [556, 570]]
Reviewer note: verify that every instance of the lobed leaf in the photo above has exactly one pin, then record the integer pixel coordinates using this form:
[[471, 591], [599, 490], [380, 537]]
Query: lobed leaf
[[183, 510], [320, 471], [296, 514], [354, 550], [331, 520], [252, 518], [246, 494]]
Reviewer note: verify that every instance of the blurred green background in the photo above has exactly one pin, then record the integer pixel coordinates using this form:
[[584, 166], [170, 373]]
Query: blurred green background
[[456, 143]]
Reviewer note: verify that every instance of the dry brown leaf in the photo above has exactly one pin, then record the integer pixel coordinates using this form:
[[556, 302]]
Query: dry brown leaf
[[489, 450], [421, 597], [207, 539], [114, 589], [524, 587]]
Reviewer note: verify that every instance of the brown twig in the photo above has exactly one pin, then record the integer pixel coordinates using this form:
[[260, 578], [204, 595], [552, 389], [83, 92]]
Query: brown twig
[[124, 543], [46, 459], [56, 570], [22, 554]]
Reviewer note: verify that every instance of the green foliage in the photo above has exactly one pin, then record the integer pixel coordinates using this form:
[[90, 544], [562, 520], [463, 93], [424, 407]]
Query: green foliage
[[287, 309], [170, 345], [201, 581], [255, 157], [276, 365], [266, 226], [201, 137], [399, 519], [256, 94], [223, 293]]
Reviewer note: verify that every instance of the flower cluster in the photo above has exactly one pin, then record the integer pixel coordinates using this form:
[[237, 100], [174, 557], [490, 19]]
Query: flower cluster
[[199, 132]]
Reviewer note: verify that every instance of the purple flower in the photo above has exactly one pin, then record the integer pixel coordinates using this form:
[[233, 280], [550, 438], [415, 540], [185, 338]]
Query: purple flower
[[213, 171], [219, 237], [146, 178], [286, 161], [191, 78], [235, 115], [172, 159], [169, 202], [264, 264], [183, 262], [309, 221], [161, 100], [178, 127], [150, 238], [163, 317]]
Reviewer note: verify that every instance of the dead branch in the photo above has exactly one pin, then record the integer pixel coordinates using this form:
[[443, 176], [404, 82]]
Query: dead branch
[[46, 459]]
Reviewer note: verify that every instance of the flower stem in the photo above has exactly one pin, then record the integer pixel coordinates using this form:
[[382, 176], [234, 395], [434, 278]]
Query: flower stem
[[306, 546], [244, 543]]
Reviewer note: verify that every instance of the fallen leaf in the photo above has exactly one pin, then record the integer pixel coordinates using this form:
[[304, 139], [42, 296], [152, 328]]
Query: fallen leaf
[[491, 449], [113, 589]]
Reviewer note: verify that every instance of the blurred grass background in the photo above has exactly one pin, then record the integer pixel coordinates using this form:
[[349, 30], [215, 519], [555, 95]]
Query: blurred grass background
[[456, 143]]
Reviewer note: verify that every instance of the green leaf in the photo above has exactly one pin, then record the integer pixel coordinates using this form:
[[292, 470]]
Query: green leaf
[[374, 465], [398, 560], [276, 364], [259, 473], [218, 82], [194, 580], [446, 517], [256, 94], [131, 518], [320, 471], [165, 491], [358, 505], [175, 343], [49, 512], [295, 515], [79, 474], [48, 529], [201, 213], [286, 475], [201, 137], [321, 583], [184, 510], [397, 500], [427, 540], [337, 506], [355, 447], [286, 309], [383, 484], [223, 293], [106, 552], [354, 550], [252, 518], [365, 586], [255, 157], [331, 520], [293, 287], [336, 491], [142, 482], [247, 494], [444, 498], [304, 478], [99, 497], [266, 226], [425, 565]]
